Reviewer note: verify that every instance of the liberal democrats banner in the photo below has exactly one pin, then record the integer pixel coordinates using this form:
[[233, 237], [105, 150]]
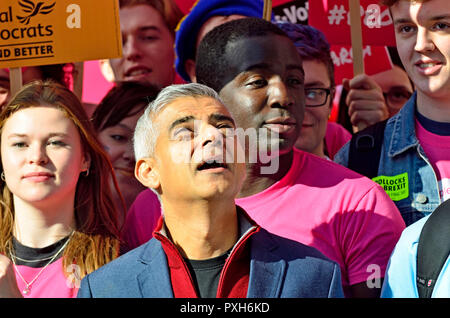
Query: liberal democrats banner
[[40, 32]]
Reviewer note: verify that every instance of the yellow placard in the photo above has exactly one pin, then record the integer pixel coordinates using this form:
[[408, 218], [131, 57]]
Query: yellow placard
[[42, 32]]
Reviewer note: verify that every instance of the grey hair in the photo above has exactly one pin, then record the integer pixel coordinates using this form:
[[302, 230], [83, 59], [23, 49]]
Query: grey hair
[[146, 131]]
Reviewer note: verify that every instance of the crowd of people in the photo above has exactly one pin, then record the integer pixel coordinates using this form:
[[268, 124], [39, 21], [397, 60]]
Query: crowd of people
[[212, 168]]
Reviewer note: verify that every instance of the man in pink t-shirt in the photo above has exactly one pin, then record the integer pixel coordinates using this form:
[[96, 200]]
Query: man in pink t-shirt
[[349, 218]]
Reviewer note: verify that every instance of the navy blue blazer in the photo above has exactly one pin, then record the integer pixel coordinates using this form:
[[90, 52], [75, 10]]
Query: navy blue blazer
[[279, 267]]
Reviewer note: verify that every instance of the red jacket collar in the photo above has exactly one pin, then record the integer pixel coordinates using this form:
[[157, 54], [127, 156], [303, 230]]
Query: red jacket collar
[[235, 274]]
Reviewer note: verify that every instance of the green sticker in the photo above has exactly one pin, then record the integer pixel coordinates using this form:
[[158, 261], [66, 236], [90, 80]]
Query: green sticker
[[396, 186]]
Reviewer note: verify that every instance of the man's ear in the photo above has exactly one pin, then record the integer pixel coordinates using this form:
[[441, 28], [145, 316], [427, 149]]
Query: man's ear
[[147, 173], [189, 65]]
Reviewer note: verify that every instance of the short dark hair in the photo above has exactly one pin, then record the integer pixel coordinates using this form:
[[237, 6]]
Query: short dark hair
[[122, 101], [210, 61]]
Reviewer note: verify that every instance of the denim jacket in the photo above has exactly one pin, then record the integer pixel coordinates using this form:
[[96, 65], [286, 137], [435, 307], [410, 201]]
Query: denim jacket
[[404, 170]]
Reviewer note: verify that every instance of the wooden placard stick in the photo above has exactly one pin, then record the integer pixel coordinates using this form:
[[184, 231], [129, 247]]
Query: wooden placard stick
[[356, 36], [15, 80], [267, 11]]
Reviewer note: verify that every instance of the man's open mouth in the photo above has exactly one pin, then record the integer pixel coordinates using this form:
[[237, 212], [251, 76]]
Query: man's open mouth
[[211, 164]]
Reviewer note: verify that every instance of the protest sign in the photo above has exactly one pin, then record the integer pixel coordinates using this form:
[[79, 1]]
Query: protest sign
[[376, 60], [332, 17], [295, 11], [338, 21], [42, 32]]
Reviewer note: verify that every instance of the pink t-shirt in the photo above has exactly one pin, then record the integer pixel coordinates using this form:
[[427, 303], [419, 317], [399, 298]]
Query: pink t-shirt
[[142, 218], [437, 149], [336, 136], [346, 216], [51, 283]]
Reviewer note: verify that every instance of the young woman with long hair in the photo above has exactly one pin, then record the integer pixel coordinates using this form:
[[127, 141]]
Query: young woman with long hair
[[58, 221]]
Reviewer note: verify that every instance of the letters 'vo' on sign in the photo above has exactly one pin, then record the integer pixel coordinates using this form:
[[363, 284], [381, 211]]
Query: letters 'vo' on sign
[[42, 32]]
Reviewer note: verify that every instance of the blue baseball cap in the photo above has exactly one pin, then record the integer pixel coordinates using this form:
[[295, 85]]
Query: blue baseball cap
[[202, 10]]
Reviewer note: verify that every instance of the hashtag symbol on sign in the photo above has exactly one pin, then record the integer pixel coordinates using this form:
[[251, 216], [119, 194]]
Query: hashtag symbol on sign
[[336, 15]]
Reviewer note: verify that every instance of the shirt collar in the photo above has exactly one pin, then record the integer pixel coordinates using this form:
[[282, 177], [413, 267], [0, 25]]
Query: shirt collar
[[403, 128], [245, 222]]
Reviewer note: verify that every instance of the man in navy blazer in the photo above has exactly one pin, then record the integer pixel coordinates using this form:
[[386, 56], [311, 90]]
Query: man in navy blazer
[[205, 246]]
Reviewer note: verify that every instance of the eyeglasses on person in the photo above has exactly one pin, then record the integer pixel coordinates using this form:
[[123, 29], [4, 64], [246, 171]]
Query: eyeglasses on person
[[315, 96]]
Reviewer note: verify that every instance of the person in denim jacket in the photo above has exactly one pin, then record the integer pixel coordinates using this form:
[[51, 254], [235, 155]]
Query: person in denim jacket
[[414, 164], [401, 153]]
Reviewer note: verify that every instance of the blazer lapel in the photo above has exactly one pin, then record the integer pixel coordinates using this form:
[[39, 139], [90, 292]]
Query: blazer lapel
[[267, 270], [154, 280]]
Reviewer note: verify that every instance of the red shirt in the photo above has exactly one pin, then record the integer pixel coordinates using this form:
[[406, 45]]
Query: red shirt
[[235, 274]]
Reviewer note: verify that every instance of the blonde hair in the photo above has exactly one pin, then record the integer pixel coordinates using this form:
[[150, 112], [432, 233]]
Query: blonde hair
[[95, 241]]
